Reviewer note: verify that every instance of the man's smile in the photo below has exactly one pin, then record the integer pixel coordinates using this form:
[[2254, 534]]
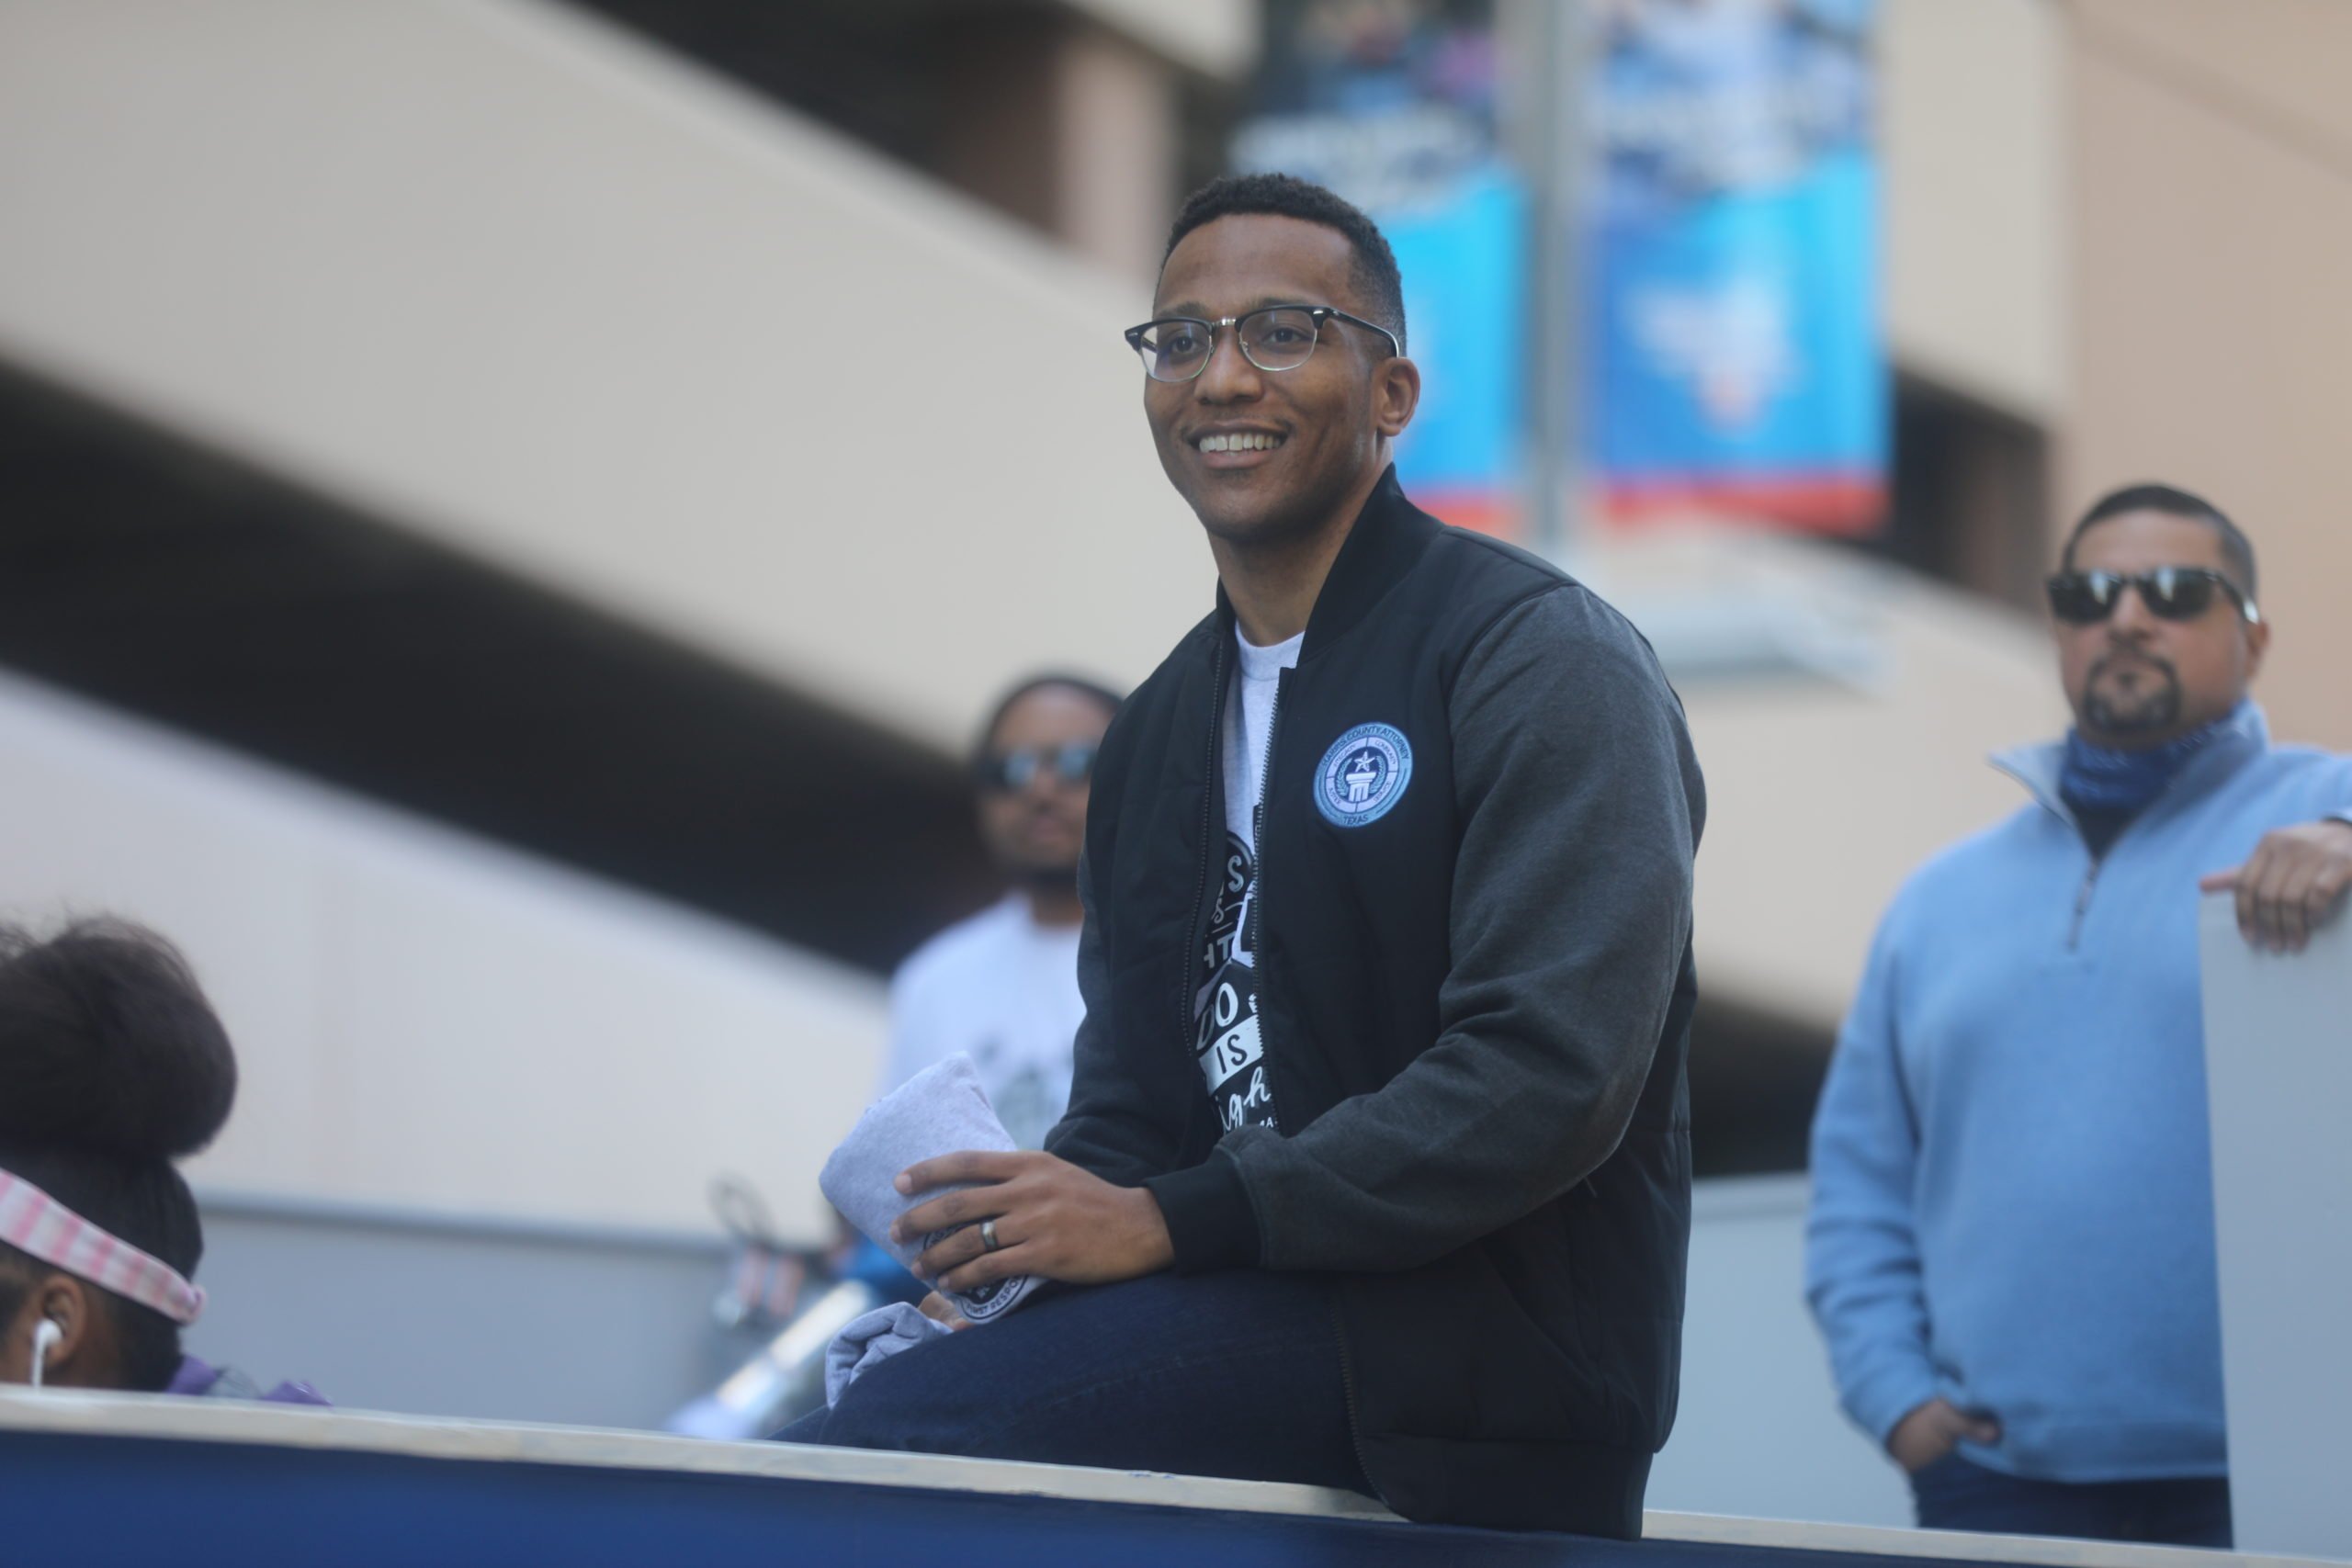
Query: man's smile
[[1234, 447]]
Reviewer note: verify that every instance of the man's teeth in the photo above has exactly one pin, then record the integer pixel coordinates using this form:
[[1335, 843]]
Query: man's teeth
[[1246, 441]]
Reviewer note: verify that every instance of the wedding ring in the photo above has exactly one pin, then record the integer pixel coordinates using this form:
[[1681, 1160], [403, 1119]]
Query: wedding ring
[[987, 1235]]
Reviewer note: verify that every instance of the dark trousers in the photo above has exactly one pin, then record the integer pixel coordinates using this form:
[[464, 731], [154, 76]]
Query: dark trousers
[[1955, 1495], [1232, 1374]]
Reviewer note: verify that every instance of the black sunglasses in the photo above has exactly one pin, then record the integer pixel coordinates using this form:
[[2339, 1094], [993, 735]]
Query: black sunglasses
[[1071, 762], [2170, 592]]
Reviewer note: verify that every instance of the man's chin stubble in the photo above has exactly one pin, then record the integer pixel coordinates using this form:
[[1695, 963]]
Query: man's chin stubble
[[2160, 711], [1260, 529], [1046, 878]]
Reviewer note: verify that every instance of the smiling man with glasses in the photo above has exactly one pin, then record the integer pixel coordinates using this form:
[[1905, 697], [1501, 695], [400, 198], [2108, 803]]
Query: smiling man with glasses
[[2011, 1247], [1377, 1160]]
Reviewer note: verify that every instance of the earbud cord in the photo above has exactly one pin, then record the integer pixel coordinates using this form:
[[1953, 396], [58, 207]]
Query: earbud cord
[[45, 1334]]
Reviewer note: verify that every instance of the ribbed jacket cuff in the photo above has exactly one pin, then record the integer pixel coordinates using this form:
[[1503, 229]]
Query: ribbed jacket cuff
[[1210, 1222]]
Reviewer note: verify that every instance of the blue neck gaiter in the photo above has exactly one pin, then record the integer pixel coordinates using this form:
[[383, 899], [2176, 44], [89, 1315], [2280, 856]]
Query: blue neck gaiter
[[2097, 778]]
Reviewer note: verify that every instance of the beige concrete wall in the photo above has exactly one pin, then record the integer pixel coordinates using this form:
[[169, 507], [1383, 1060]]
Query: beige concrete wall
[[1973, 117], [1824, 791], [426, 1021], [512, 280], [1117, 158], [2276, 65], [2212, 150]]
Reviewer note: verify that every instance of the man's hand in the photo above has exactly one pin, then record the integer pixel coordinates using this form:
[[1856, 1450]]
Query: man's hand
[[1934, 1430], [1053, 1220], [2292, 884]]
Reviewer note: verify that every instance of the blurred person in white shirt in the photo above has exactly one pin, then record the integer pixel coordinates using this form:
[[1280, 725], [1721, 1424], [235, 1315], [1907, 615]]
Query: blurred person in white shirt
[[1001, 987]]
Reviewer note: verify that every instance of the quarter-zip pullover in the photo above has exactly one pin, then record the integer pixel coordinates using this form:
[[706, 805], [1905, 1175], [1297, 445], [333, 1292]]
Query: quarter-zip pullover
[[2012, 1200]]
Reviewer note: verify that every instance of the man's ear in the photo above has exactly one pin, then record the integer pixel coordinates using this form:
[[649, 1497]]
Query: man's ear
[[1395, 394], [2258, 647]]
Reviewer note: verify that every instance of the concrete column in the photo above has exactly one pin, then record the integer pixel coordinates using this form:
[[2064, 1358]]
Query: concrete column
[[1071, 127]]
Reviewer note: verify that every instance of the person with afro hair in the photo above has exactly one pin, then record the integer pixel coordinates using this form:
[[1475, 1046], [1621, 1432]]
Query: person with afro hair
[[112, 1066]]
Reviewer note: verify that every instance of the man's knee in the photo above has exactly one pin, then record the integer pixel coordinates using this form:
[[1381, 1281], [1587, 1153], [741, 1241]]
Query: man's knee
[[899, 1404]]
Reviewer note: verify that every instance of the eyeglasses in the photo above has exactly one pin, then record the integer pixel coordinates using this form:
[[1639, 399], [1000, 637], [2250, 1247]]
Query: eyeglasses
[[1070, 763], [2170, 592], [1275, 337]]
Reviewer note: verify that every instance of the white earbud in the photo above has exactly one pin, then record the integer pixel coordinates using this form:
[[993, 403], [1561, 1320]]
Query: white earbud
[[45, 1339]]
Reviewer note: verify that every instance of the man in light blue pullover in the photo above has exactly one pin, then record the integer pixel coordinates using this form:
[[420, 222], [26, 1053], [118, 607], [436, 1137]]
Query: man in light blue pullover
[[2011, 1248]]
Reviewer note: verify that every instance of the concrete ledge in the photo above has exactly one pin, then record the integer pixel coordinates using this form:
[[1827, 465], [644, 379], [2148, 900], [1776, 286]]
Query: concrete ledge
[[144, 1419], [196, 1420]]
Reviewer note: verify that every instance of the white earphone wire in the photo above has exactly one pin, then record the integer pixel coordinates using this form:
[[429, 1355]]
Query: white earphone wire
[[45, 1338]]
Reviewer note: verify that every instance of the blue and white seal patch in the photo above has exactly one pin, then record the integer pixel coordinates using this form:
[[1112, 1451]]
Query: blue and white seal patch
[[1362, 774]]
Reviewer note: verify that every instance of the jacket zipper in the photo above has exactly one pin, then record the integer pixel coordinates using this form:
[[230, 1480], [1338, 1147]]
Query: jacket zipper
[[2083, 903], [1186, 985], [1258, 829], [2098, 863], [1265, 988], [1263, 975]]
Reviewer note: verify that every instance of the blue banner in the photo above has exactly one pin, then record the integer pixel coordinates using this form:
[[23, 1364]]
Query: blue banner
[[1734, 364], [1730, 358], [1392, 104]]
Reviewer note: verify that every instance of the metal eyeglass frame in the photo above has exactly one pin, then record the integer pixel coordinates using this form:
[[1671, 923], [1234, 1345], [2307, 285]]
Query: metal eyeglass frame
[[1319, 314]]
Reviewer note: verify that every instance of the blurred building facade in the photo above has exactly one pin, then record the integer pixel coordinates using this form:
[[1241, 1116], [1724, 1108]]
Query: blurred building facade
[[465, 463]]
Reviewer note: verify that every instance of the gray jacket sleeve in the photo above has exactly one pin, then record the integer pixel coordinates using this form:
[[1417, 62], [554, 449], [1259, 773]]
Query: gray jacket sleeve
[[1580, 803]]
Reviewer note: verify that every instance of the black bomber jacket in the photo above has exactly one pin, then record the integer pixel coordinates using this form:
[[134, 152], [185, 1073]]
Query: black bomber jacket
[[1474, 992]]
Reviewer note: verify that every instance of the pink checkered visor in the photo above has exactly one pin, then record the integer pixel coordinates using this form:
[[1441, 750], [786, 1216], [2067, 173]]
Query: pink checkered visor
[[33, 1222]]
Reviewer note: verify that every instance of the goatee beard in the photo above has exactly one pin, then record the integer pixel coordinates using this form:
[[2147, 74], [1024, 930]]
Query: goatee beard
[[1046, 879], [2157, 709]]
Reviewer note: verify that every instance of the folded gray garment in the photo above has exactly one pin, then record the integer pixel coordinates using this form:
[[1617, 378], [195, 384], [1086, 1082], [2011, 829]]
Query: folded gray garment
[[940, 1111], [874, 1338]]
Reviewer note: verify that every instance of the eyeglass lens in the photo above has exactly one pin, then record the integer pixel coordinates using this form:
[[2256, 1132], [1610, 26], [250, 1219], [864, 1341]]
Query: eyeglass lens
[[1070, 764], [1276, 339], [2172, 594]]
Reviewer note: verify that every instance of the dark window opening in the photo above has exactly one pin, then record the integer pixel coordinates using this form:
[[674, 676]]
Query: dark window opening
[[1970, 495], [1753, 1079], [963, 90]]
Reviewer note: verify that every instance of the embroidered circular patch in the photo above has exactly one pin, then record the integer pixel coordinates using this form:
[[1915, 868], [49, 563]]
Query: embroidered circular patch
[[1362, 774]]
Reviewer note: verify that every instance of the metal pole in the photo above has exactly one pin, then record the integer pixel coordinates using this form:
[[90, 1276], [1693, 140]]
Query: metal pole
[[1548, 39]]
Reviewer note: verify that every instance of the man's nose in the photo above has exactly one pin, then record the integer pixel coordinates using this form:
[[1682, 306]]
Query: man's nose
[[2129, 620], [1228, 377], [1045, 785]]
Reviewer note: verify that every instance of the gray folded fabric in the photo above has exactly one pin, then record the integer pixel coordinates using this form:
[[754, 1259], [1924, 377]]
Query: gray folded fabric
[[940, 1111], [872, 1339]]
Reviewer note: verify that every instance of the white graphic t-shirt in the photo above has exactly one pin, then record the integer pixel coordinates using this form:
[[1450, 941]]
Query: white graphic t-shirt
[[1002, 989], [1225, 1007]]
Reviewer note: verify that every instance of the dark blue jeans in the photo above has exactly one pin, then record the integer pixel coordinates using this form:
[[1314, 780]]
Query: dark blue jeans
[[1234, 1374], [1955, 1495]]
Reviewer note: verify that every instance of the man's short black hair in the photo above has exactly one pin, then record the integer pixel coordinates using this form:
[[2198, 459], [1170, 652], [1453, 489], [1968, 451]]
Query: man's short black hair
[[1093, 690], [2237, 550], [1372, 270]]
